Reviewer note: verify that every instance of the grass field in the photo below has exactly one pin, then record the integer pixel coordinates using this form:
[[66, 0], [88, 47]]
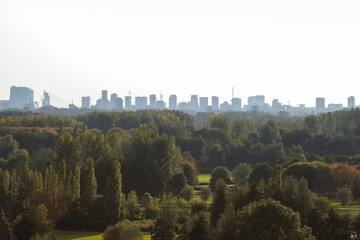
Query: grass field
[[204, 178], [67, 235], [70, 235], [352, 208]]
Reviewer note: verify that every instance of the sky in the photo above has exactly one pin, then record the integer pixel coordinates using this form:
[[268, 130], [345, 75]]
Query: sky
[[292, 50]]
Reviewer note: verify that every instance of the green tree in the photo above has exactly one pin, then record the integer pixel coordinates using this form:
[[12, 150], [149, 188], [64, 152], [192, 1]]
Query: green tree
[[261, 171], [187, 193], [88, 185], [269, 132], [219, 201], [269, 219], [312, 125], [226, 225], [219, 173], [344, 195], [113, 194], [200, 227], [205, 194], [124, 230], [163, 230], [241, 173], [133, 210]]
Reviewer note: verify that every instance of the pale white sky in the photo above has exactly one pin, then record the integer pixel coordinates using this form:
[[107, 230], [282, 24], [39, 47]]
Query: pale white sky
[[293, 50]]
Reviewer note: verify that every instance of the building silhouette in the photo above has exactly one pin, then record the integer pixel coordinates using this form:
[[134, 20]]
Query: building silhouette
[[215, 103], [236, 104], [85, 102], [21, 97], [173, 102], [204, 103], [351, 102], [46, 100], [320, 105]]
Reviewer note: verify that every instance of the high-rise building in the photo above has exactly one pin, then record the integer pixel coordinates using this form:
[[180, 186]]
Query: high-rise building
[[276, 105], [119, 104], [160, 104], [351, 102], [320, 105], [215, 102], [204, 103], [46, 100], [152, 101], [104, 95], [332, 107], [4, 104], [127, 102], [194, 102], [113, 98], [140, 102], [173, 101], [21, 97], [85, 102], [236, 104]]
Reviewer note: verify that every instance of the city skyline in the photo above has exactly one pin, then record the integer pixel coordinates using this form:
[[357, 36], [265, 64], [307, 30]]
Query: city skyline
[[291, 50], [23, 98]]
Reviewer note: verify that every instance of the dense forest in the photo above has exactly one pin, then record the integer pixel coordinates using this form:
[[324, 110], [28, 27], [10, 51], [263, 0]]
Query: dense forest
[[272, 176]]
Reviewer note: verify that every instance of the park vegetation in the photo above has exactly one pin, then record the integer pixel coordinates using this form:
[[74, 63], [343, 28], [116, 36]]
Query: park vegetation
[[272, 176]]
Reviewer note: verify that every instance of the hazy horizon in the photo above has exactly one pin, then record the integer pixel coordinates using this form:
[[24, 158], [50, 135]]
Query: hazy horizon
[[291, 50]]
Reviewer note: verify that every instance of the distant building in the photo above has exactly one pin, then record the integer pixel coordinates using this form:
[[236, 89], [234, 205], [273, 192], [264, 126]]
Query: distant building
[[351, 102], [215, 103], [85, 102], [127, 102], [183, 106], [320, 105], [236, 104], [332, 107], [173, 102], [140, 102], [204, 103], [46, 100], [21, 97], [276, 106], [194, 103], [152, 101], [119, 104], [104, 95], [160, 104], [4, 104], [225, 106]]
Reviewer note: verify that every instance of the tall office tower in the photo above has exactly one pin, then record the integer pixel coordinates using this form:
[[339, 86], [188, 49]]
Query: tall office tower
[[236, 104], [113, 98], [119, 104], [194, 102], [85, 102], [320, 105], [140, 102], [173, 101], [276, 105], [204, 103], [46, 100], [152, 101], [127, 102], [260, 100], [215, 102], [104, 95], [351, 102], [21, 97]]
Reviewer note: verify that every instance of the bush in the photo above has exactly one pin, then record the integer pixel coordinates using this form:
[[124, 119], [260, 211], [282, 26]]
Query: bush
[[124, 230]]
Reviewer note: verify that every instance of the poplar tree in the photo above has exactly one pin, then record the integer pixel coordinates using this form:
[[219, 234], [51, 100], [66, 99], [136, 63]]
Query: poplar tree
[[88, 185], [113, 199]]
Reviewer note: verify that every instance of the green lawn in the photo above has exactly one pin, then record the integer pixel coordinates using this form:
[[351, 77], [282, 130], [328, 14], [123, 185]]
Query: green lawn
[[352, 208], [204, 178], [67, 235], [70, 235]]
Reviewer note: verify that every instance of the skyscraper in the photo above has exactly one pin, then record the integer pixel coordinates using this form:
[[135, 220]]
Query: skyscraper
[[85, 102], [204, 103], [127, 102], [215, 102], [140, 102], [351, 102], [173, 101], [320, 105], [21, 97], [152, 101], [194, 102], [236, 104], [46, 100]]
